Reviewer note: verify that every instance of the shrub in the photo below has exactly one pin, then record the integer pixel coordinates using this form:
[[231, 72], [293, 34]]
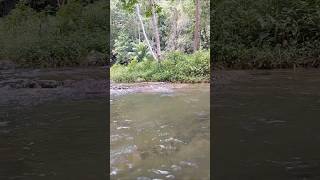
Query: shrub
[[39, 39], [265, 34], [177, 67]]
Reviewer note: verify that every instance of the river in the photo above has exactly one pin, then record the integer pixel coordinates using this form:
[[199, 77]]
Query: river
[[161, 135], [57, 140], [266, 125], [53, 125]]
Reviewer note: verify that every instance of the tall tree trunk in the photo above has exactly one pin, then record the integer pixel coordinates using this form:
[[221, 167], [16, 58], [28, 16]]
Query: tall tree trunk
[[172, 41], [139, 38], [196, 45], [144, 32], [155, 28]]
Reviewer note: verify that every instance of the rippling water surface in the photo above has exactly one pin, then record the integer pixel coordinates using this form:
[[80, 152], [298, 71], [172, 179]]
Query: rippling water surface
[[267, 126], [54, 141], [161, 135]]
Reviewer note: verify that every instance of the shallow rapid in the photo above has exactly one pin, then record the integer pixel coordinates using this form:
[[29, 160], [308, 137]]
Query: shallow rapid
[[161, 135]]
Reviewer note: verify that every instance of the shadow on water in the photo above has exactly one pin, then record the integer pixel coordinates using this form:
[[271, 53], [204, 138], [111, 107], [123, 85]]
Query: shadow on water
[[54, 141], [267, 126], [161, 135]]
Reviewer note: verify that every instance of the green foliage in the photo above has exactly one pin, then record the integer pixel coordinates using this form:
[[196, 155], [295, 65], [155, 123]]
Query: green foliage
[[126, 50], [38, 39], [140, 51], [177, 67], [122, 47], [264, 33], [178, 15]]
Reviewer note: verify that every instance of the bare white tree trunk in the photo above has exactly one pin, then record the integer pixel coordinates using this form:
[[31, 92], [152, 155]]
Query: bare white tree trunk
[[144, 32]]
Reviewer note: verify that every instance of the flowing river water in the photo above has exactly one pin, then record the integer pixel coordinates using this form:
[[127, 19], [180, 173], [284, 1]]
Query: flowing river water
[[162, 135], [266, 125], [53, 125], [57, 140]]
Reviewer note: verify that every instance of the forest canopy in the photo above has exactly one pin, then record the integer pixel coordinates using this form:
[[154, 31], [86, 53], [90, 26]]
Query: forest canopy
[[160, 40], [150, 40]]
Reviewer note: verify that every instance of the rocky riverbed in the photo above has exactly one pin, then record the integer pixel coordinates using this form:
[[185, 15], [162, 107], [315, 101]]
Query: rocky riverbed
[[34, 86]]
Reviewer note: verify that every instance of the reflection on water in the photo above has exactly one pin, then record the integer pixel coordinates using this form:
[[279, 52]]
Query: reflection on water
[[54, 141], [267, 126], [161, 135]]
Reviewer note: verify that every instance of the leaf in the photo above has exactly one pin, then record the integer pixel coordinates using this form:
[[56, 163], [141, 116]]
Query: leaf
[[148, 12]]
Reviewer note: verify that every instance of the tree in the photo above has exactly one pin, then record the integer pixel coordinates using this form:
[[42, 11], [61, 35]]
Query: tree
[[196, 45], [144, 32], [155, 28]]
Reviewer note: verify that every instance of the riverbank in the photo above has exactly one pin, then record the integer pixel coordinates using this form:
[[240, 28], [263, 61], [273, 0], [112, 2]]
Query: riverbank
[[21, 87], [34, 86]]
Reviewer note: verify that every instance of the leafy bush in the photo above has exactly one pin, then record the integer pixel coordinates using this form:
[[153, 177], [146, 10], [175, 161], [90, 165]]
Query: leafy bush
[[140, 51], [265, 34], [39, 39], [177, 67]]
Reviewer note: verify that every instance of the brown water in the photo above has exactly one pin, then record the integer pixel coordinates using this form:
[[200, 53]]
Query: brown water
[[266, 125], [161, 135]]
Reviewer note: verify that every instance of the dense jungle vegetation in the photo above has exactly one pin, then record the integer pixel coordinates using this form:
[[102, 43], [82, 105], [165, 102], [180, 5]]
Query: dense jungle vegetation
[[54, 33], [160, 40], [266, 33]]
